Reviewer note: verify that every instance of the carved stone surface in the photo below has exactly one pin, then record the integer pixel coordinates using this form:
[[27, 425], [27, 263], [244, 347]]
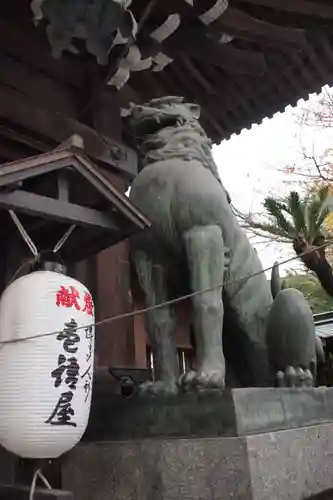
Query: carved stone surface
[[156, 469], [291, 464], [236, 412], [196, 245]]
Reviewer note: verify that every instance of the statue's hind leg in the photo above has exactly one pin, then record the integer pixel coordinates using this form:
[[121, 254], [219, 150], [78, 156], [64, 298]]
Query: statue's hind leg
[[204, 249], [160, 325]]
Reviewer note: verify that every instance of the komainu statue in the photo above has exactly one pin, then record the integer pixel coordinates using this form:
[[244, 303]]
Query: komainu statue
[[241, 331]]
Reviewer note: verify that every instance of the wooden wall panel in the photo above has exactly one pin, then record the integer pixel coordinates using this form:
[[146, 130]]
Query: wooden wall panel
[[107, 277], [115, 343]]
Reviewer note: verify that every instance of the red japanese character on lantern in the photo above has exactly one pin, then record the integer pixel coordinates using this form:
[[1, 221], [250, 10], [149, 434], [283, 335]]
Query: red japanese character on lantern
[[68, 297], [88, 304]]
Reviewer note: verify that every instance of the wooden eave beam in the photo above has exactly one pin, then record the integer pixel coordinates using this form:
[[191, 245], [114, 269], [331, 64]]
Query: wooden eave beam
[[42, 90], [313, 9], [193, 42], [14, 135], [27, 45], [238, 23], [49, 208], [196, 45], [242, 25], [16, 108]]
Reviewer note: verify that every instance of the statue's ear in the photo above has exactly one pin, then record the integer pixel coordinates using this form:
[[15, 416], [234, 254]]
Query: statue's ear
[[276, 283]]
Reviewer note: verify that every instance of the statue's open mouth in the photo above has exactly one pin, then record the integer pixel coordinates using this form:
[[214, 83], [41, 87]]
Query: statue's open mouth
[[152, 124]]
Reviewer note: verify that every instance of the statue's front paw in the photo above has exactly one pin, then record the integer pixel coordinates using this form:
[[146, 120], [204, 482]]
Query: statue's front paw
[[159, 388], [294, 377], [203, 381]]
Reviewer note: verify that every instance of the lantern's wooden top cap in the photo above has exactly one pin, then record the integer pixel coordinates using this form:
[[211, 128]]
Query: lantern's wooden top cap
[[64, 187]]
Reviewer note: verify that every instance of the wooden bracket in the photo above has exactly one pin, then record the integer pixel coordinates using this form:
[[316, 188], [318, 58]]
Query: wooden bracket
[[74, 141]]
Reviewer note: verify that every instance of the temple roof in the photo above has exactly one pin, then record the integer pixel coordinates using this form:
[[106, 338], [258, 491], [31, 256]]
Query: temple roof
[[240, 62]]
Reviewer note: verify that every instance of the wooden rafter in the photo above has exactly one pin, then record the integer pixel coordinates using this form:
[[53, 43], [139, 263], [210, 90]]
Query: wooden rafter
[[270, 63], [313, 9], [242, 25], [191, 88], [49, 208], [209, 88], [236, 22], [194, 43]]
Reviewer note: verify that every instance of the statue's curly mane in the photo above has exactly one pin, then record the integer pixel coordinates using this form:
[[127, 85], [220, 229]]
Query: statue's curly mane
[[169, 128]]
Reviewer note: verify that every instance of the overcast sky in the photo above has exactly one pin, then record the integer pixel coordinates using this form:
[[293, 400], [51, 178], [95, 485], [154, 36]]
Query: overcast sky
[[250, 166]]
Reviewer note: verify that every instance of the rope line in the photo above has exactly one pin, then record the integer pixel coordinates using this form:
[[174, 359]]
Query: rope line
[[169, 302], [38, 474], [32, 247]]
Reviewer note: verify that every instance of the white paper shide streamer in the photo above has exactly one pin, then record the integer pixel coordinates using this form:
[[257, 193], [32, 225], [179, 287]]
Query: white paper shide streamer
[[46, 382]]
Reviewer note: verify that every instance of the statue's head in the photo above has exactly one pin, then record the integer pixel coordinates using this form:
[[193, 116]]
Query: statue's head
[[150, 117]]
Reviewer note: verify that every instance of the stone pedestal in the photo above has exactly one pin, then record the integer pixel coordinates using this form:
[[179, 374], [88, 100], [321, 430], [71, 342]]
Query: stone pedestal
[[246, 444]]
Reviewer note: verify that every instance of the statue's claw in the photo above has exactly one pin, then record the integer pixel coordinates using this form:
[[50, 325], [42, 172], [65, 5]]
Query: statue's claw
[[294, 377], [158, 388], [202, 381]]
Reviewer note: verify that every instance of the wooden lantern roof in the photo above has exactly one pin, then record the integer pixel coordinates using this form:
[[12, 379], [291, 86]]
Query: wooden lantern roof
[[63, 189], [252, 61]]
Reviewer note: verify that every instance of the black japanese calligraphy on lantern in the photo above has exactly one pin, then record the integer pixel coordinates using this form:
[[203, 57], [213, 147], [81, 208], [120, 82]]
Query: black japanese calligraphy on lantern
[[68, 372], [67, 368], [70, 336], [63, 411], [89, 337], [87, 382]]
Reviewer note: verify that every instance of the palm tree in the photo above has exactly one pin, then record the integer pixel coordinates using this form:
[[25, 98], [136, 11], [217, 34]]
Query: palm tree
[[301, 221]]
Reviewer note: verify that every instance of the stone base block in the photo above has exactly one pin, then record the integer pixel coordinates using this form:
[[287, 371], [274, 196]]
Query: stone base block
[[244, 444], [291, 464], [235, 412]]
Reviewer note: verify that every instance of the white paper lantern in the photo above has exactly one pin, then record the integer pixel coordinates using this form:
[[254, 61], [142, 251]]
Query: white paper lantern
[[46, 382]]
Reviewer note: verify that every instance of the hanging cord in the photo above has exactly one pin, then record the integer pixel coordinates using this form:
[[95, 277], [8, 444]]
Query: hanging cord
[[38, 474], [169, 302], [32, 246], [24, 234], [63, 240]]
